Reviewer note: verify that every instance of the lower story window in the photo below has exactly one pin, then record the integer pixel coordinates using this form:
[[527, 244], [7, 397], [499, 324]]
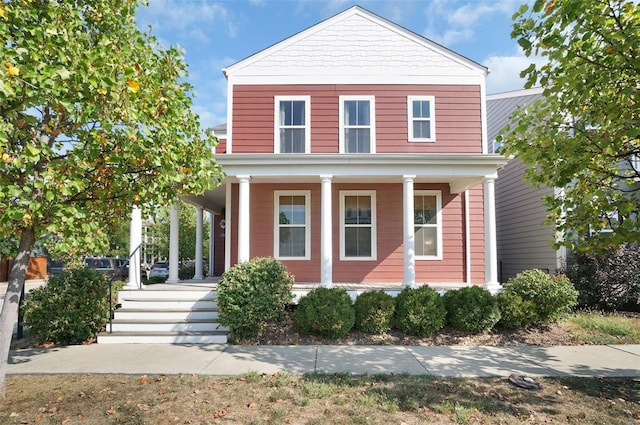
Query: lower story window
[[292, 231], [427, 224], [357, 225]]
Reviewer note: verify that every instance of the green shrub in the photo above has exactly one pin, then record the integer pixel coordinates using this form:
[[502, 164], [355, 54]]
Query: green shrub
[[420, 311], [155, 279], [72, 307], [185, 273], [374, 312], [608, 281], [252, 293], [326, 312], [471, 309], [546, 298], [514, 311]]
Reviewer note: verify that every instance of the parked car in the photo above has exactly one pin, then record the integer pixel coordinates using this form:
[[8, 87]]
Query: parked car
[[108, 265], [55, 267], [159, 269]]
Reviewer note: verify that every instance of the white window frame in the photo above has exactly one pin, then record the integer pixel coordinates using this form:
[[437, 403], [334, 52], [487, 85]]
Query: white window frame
[[277, 126], [276, 223], [438, 225], [374, 244], [371, 126], [411, 118]]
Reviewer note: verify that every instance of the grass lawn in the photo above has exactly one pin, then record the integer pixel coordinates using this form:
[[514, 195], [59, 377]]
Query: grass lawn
[[314, 399], [335, 399]]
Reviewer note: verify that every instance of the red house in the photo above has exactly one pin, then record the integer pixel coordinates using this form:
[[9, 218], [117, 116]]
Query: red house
[[355, 153]]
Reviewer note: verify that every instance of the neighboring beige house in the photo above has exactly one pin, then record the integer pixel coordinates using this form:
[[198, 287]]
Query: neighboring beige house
[[523, 240]]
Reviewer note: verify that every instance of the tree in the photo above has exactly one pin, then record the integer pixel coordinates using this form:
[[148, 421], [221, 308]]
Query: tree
[[582, 136], [94, 118]]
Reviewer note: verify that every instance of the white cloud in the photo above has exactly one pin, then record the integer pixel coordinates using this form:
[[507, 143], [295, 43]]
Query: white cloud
[[505, 71], [451, 37]]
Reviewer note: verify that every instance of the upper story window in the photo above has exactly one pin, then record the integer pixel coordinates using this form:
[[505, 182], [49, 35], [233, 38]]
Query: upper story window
[[357, 124], [292, 236], [291, 127], [357, 225], [427, 224], [421, 118]]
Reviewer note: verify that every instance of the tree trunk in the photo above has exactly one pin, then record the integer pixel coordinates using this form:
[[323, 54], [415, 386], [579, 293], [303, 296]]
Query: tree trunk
[[9, 314]]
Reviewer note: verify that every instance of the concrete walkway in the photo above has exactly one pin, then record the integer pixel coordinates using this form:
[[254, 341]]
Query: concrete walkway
[[455, 361]]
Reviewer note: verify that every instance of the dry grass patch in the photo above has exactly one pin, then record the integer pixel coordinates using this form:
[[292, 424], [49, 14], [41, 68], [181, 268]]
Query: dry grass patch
[[314, 399], [599, 328]]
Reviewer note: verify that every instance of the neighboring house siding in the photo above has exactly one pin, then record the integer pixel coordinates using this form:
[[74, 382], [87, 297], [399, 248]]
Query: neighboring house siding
[[458, 121], [524, 242], [221, 147]]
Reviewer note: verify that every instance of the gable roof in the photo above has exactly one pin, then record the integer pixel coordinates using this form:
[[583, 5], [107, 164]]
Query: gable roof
[[356, 40], [501, 106]]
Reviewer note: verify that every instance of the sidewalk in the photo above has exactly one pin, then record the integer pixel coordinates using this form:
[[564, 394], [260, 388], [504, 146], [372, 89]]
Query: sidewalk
[[455, 361]]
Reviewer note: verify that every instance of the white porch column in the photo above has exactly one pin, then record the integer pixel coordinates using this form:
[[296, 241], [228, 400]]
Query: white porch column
[[212, 234], [135, 242], [408, 232], [326, 244], [199, 215], [243, 219], [490, 245], [174, 251]]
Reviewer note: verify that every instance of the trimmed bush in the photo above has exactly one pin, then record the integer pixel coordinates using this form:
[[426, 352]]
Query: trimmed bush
[[155, 279], [608, 281], [374, 312], [514, 311], [420, 311], [326, 312], [186, 273], [71, 308], [252, 293], [471, 309], [546, 298]]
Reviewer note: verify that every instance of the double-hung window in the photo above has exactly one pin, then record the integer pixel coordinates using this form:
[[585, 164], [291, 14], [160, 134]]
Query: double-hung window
[[292, 124], [427, 224], [357, 124], [421, 118], [292, 225], [357, 225]]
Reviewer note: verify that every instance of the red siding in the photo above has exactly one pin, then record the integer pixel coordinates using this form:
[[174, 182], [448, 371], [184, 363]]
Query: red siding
[[389, 265], [476, 224], [221, 147], [457, 114]]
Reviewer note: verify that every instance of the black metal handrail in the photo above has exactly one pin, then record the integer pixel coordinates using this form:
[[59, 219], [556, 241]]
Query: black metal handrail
[[118, 272]]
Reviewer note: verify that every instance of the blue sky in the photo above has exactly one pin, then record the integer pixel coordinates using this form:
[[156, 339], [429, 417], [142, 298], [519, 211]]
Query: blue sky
[[216, 34]]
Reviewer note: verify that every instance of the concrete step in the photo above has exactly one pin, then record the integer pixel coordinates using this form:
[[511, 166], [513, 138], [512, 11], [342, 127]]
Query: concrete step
[[196, 314], [177, 294], [166, 326], [167, 304], [163, 338]]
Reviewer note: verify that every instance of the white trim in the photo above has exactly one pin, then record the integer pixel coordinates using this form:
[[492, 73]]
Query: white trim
[[438, 226], [381, 77], [409, 255], [490, 254], [244, 218], [411, 118], [198, 275], [326, 229], [227, 228], [230, 84], [371, 126], [483, 117], [373, 225], [467, 238], [307, 223], [277, 125], [174, 244]]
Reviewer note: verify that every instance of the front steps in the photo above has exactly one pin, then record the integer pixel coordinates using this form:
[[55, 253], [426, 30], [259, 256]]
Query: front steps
[[180, 315]]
